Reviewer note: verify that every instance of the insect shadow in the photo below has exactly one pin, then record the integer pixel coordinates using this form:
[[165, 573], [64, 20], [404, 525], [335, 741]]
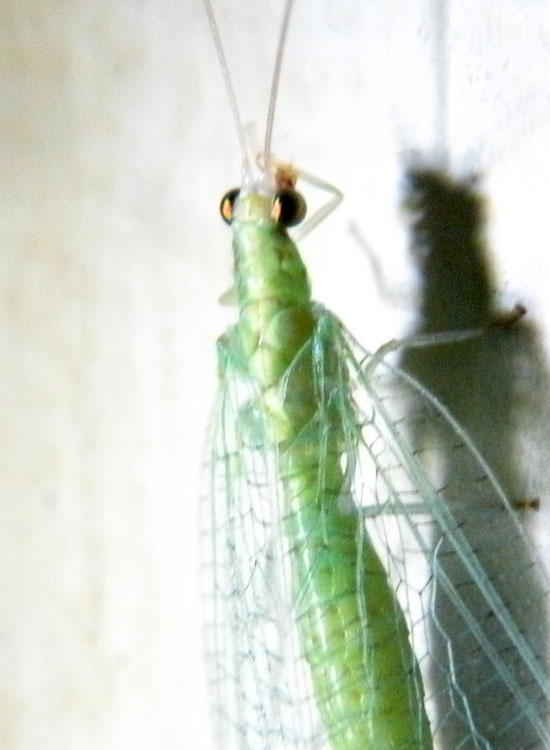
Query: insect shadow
[[490, 384]]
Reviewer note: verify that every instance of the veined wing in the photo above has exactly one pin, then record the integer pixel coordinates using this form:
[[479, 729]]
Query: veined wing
[[474, 598], [262, 696], [483, 613]]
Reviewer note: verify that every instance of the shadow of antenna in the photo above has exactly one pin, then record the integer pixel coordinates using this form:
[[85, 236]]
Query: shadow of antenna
[[493, 385]]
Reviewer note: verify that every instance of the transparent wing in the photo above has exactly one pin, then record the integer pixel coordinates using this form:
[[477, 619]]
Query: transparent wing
[[475, 599], [260, 686]]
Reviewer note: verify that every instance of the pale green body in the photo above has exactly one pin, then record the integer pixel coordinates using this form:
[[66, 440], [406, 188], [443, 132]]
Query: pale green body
[[354, 637]]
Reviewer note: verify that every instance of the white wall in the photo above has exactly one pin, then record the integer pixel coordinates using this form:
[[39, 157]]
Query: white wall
[[117, 144]]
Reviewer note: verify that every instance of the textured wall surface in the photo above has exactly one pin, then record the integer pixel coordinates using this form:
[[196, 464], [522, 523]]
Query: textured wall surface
[[116, 145]]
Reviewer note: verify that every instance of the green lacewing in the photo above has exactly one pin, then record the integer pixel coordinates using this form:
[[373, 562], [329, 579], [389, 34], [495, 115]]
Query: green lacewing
[[338, 549]]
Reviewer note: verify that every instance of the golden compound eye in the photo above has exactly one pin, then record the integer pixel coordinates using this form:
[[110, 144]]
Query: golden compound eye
[[289, 208], [226, 206]]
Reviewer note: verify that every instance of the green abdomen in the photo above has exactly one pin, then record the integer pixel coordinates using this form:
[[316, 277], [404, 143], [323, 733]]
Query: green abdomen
[[354, 637]]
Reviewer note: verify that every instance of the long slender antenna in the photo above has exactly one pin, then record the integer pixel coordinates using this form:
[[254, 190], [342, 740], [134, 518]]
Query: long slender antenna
[[275, 84], [227, 79]]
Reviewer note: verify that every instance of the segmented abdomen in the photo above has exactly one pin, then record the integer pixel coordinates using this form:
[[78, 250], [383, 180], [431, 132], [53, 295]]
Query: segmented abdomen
[[354, 637]]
